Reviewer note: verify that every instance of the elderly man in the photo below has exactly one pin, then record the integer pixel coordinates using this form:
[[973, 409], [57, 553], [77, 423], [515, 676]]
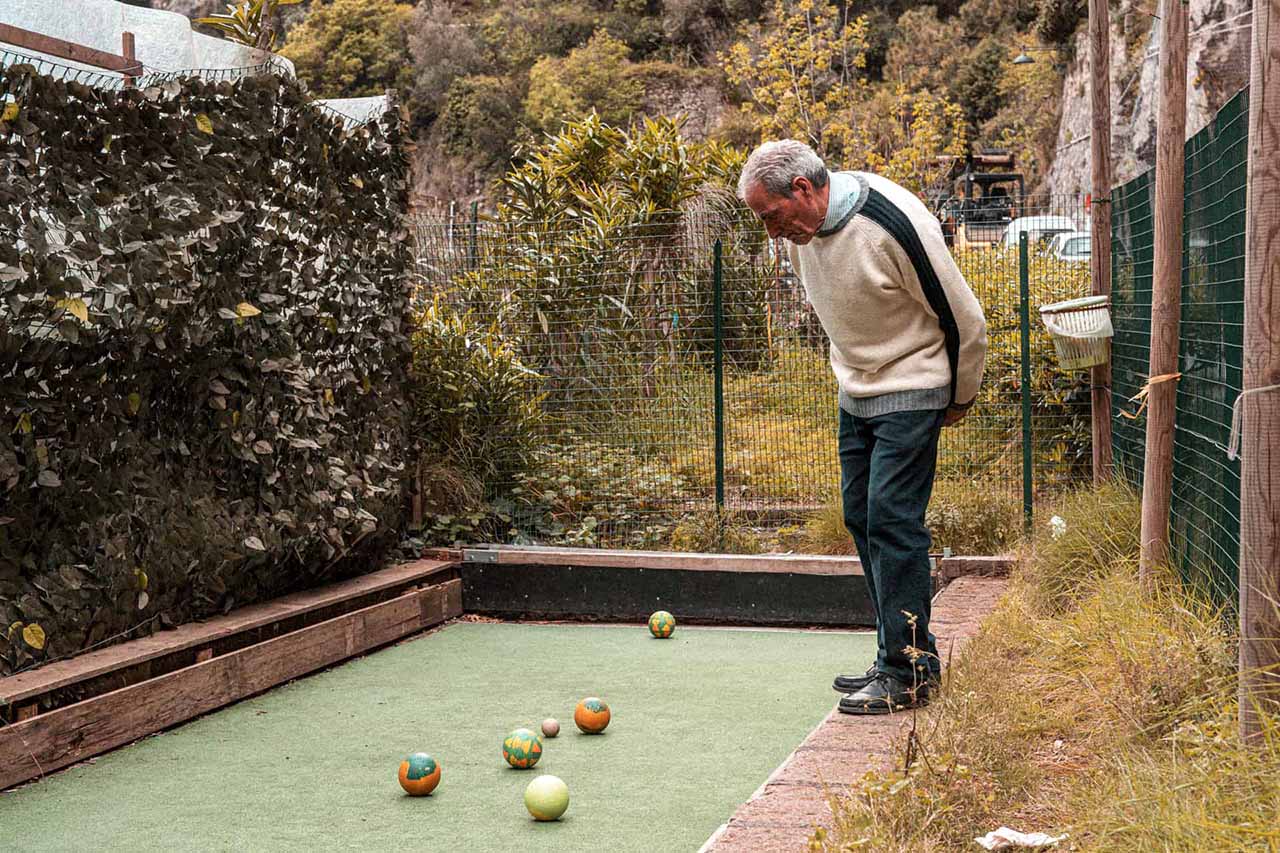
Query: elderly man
[[908, 339]]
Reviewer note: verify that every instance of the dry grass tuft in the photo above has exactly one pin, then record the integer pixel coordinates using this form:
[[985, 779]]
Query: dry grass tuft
[[1084, 706]]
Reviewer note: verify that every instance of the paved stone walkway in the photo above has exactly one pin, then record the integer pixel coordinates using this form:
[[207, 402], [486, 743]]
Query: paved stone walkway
[[783, 812]]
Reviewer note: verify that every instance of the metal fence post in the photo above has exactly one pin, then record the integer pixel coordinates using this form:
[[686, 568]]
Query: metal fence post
[[1024, 322], [718, 324], [473, 251]]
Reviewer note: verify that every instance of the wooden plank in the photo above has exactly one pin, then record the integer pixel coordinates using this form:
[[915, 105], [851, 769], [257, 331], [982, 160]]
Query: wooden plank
[[1100, 257], [40, 43], [1259, 691], [127, 48], [67, 735], [1166, 288], [803, 564], [16, 688]]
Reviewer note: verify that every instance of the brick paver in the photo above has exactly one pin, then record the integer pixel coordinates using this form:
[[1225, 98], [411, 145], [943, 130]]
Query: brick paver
[[794, 800]]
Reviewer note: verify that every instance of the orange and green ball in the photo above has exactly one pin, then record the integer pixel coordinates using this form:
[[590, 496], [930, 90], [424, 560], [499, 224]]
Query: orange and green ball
[[592, 715], [419, 774], [522, 749], [662, 624]]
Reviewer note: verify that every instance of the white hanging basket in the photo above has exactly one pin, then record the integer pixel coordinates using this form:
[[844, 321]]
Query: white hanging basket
[[1081, 331]]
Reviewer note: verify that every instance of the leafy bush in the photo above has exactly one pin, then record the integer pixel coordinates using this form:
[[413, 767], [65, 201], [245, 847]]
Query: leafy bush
[[708, 531], [592, 78], [480, 116], [974, 517], [476, 417], [592, 494], [352, 48]]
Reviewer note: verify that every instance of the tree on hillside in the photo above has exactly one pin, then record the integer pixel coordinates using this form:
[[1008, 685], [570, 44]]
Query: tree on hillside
[[444, 48], [802, 77], [352, 48], [804, 80], [595, 77]]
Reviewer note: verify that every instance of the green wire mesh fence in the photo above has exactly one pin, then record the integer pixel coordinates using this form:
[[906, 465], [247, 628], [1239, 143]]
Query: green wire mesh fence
[[1205, 521], [620, 324]]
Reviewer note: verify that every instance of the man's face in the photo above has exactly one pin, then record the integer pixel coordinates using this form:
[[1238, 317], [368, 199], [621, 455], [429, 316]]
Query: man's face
[[797, 218]]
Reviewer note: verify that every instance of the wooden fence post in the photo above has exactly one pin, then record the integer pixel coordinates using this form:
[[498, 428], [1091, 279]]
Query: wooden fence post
[[1166, 288], [1100, 208], [1260, 424]]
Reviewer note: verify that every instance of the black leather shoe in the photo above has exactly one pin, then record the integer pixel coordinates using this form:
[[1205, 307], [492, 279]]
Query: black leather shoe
[[854, 683], [885, 695]]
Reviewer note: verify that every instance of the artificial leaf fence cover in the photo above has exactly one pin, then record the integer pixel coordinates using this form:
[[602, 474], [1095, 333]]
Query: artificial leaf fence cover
[[202, 352]]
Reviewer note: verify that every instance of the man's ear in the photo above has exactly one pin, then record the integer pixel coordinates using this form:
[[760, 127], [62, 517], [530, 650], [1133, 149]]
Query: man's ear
[[802, 185]]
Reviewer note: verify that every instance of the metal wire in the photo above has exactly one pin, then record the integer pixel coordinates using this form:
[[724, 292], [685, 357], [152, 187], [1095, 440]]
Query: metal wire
[[1206, 484], [617, 322]]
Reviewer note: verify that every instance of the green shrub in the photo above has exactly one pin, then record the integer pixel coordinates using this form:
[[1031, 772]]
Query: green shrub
[[974, 517], [592, 494], [475, 415], [717, 533], [480, 116]]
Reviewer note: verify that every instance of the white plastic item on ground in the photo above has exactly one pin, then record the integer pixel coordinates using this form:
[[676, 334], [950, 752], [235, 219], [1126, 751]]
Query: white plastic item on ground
[[1004, 838]]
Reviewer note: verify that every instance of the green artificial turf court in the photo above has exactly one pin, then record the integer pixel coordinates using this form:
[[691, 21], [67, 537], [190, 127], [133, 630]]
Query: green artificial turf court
[[699, 721]]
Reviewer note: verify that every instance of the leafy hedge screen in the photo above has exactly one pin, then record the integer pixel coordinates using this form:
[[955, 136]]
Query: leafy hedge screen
[[202, 353]]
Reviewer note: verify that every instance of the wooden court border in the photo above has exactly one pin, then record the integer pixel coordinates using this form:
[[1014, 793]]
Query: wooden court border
[[208, 665]]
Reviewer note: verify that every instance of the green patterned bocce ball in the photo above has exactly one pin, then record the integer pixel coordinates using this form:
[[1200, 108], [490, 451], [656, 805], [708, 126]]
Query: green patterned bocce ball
[[522, 749], [419, 774], [662, 624]]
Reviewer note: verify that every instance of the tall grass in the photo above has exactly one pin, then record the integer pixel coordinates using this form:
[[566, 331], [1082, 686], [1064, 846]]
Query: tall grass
[[1084, 706]]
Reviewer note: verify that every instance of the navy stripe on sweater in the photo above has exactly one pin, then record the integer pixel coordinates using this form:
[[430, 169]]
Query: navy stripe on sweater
[[888, 216]]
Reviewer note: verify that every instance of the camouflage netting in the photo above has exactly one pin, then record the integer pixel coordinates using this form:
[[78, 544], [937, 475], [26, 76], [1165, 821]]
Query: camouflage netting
[[202, 358]]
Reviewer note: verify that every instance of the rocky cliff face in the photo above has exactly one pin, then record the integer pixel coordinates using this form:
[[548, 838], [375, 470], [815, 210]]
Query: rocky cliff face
[[1217, 68]]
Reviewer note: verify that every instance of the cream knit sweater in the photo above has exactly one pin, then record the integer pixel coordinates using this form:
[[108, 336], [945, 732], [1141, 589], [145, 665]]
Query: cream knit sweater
[[885, 287]]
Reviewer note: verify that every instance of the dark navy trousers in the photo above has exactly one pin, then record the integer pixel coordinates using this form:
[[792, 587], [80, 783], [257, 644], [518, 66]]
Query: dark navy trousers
[[887, 465]]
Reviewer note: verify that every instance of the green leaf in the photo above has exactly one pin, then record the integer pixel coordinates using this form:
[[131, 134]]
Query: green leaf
[[204, 124]]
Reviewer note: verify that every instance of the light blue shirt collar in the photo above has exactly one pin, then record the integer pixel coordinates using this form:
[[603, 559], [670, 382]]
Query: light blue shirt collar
[[846, 192]]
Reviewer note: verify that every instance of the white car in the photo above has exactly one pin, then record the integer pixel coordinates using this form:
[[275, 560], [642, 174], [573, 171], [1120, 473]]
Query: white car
[[1038, 229], [1072, 246]]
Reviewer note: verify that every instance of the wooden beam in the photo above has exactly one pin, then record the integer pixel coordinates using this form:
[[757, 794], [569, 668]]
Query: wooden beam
[[1260, 465], [26, 685], [62, 737], [803, 564], [1166, 288], [130, 56], [1100, 196], [40, 43]]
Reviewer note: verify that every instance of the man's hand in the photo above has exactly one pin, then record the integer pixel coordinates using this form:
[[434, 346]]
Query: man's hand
[[954, 415]]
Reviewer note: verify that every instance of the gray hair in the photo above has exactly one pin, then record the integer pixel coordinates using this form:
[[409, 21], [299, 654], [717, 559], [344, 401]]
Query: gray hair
[[774, 165]]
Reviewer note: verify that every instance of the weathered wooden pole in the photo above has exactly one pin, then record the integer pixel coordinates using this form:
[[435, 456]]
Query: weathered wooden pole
[[1260, 404], [1166, 288], [1100, 208]]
